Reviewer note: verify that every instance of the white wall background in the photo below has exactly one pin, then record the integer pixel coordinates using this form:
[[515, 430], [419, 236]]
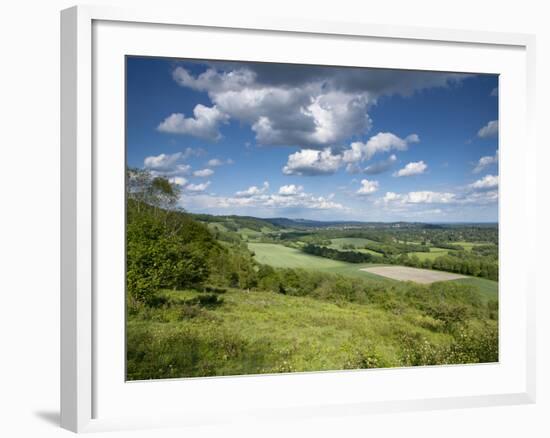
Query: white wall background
[[29, 215]]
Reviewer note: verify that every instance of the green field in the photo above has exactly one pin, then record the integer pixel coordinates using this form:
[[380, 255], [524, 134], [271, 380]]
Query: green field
[[467, 245], [433, 254], [356, 241], [280, 256], [249, 234], [283, 257]]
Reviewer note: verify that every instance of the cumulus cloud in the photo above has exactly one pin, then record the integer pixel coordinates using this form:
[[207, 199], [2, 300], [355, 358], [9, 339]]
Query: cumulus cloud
[[488, 182], [197, 187], [421, 197], [282, 114], [287, 199], [380, 166], [167, 165], [204, 124], [304, 106], [310, 162], [290, 190], [485, 162], [216, 162], [253, 191], [377, 82], [162, 161], [489, 130], [413, 168], [471, 196], [367, 187], [203, 173], [379, 143], [212, 80]]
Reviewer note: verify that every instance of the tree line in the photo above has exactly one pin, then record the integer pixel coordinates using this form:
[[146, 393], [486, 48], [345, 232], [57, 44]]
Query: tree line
[[460, 262]]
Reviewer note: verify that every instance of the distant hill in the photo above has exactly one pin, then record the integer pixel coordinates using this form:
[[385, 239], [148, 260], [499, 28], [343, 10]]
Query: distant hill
[[256, 223]]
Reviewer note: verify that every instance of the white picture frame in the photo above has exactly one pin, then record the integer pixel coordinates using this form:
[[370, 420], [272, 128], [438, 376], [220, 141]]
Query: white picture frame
[[92, 392]]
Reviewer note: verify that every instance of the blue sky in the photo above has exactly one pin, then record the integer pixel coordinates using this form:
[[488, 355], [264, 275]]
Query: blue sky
[[316, 142]]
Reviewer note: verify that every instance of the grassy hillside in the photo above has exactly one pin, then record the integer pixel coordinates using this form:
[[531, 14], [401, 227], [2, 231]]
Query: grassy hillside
[[487, 288], [265, 332]]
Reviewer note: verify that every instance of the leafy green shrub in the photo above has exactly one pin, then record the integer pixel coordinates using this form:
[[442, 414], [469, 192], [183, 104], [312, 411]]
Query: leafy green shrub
[[365, 358], [165, 249], [417, 350], [188, 311], [475, 344]]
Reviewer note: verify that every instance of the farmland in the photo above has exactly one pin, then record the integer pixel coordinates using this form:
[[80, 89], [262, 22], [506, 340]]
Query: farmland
[[403, 273], [230, 295], [284, 257]]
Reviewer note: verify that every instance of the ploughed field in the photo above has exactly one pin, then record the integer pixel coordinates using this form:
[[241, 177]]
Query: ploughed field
[[404, 273]]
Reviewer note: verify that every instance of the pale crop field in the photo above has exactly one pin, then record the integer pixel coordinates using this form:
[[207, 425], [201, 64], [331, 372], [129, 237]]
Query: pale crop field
[[404, 273]]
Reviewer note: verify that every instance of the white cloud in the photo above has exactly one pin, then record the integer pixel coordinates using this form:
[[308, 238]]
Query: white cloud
[[494, 92], [204, 124], [216, 162], [309, 162], [368, 187], [178, 169], [290, 190], [489, 130], [472, 196], [169, 165], [203, 173], [380, 166], [273, 203], [192, 152], [197, 187], [413, 168], [308, 114], [421, 197], [212, 80], [481, 197], [179, 180], [162, 161], [488, 182], [379, 143], [253, 191], [302, 106], [485, 161]]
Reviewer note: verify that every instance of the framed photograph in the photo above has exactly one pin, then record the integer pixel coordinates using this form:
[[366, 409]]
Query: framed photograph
[[283, 219]]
